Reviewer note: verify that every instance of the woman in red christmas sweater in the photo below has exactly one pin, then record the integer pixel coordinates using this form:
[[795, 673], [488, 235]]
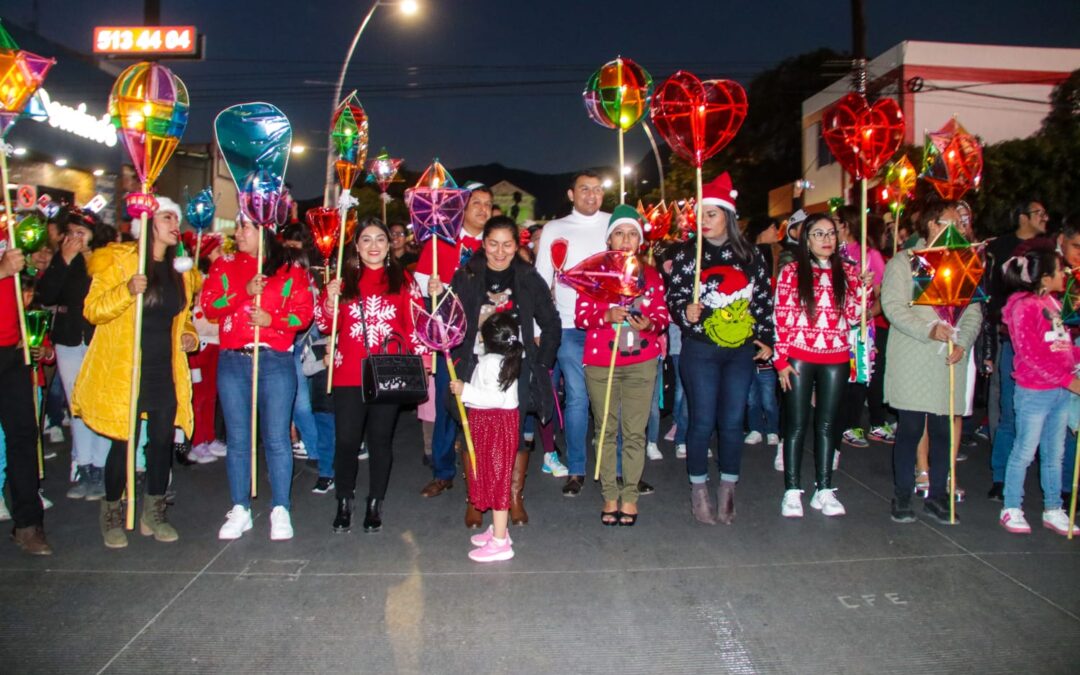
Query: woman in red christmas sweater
[[375, 309], [643, 322], [816, 303], [285, 307]]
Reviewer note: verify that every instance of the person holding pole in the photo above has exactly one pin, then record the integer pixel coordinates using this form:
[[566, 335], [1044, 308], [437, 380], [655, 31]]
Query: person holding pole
[[1045, 373], [285, 307], [917, 373], [724, 334], [102, 395]]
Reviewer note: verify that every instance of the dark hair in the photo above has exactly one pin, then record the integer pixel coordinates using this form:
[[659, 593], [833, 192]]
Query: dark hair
[[154, 291], [71, 216], [805, 275], [481, 188], [930, 213], [875, 231], [500, 223], [849, 216], [295, 232], [354, 269], [1070, 226], [757, 225], [1025, 271], [744, 248], [500, 335], [584, 173], [1021, 209], [275, 256]]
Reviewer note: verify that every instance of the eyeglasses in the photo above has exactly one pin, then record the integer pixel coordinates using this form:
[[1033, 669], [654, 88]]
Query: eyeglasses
[[1036, 213], [947, 223], [821, 235], [398, 235]]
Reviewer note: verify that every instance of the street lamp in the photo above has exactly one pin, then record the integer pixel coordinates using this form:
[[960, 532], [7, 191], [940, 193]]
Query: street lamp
[[408, 8]]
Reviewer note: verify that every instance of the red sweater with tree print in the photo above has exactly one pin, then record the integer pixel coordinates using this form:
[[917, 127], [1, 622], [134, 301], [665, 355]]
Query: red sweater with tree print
[[824, 337]]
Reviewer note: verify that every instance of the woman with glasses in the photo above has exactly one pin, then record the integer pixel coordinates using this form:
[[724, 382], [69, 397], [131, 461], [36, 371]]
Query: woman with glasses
[[817, 301]]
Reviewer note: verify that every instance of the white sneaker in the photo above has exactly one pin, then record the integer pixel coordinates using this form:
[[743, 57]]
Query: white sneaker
[[45, 502], [553, 466], [4, 513], [791, 506], [753, 438], [201, 454], [1013, 520], [836, 460], [826, 502], [218, 449], [680, 451], [237, 522], [778, 461], [363, 454], [772, 439], [54, 434], [280, 524], [653, 452], [1058, 521], [299, 450]]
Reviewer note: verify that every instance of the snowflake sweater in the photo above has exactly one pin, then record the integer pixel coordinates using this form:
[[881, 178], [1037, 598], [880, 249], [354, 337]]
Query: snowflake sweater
[[819, 339], [365, 322], [1045, 355], [634, 346], [287, 298], [737, 297]]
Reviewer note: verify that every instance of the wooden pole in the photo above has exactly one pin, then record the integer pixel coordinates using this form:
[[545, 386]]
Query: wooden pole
[[12, 244], [435, 296], [198, 247], [136, 371], [382, 198], [697, 266], [1075, 480], [255, 383], [952, 438], [862, 263], [461, 410], [334, 317], [607, 402], [622, 173]]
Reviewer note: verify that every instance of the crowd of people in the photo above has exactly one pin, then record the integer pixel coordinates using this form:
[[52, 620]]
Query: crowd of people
[[755, 332]]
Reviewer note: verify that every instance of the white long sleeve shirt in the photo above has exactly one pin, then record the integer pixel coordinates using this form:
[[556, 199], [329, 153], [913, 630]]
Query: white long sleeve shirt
[[584, 237], [482, 390]]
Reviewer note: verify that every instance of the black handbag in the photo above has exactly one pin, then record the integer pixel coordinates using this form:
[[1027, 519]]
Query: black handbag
[[397, 378]]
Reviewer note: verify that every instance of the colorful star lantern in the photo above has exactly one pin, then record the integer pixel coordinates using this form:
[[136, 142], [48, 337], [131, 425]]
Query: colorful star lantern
[[952, 161], [254, 139], [383, 170], [437, 205], [657, 220], [947, 275], [617, 95], [898, 186], [349, 133], [324, 223], [861, 136], [614, 277], [21, 73], [1070, 310], [149, 107]]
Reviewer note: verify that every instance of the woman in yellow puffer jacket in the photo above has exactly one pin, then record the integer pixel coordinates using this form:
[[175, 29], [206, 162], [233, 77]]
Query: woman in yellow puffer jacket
[[102, 389]]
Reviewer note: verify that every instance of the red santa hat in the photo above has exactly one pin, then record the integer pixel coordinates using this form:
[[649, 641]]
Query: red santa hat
[[720, 193]]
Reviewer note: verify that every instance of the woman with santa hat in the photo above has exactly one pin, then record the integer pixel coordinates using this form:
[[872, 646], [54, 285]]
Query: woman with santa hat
[[724, 333]]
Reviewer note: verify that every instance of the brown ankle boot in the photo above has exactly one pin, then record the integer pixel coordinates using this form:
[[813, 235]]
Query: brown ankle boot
[[725, 502], [518, 516], [32, 540], [473, 518], [699, 504]]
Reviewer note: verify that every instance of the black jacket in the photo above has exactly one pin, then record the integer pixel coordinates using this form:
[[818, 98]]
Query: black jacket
[[534, 303], [66, 285]]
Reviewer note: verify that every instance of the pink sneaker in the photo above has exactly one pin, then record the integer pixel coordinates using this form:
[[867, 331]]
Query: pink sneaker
[[493, 551], [1013, 521], [484, 537]]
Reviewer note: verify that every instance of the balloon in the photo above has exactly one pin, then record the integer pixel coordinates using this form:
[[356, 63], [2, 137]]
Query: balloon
[[284, 207], [200, 210], [443, 327], [383, 170], [349, 132], [862, 137], [952, 161], [21, 73], [324, 223], [31, 233], [254, 139], [698, 119], [37, 326], [617, 95], [149, 107], [437, 205], [947, 274], [657, 220], [558, 253], [609, 276]]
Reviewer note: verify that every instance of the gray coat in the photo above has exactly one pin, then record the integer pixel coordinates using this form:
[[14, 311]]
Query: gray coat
[[916, 377]]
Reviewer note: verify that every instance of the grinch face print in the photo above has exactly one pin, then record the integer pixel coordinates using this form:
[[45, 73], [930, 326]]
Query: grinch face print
[[727, 292]]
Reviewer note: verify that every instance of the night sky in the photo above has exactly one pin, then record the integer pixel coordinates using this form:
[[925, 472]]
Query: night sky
[[474, 81]]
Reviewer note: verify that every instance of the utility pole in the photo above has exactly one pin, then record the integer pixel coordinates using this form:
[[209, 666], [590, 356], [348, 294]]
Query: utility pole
[[151, 12], [858, 45]]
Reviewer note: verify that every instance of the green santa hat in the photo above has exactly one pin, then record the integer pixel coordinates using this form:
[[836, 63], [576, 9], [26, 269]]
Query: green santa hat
[[625, 214]]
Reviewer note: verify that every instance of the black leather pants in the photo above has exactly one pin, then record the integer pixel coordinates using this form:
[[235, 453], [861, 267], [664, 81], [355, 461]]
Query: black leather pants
[[830, 381]]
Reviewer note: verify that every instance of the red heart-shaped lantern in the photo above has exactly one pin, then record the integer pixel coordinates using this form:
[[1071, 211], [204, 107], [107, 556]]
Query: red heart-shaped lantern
[[324, 223], [862, 137], [698, 119]]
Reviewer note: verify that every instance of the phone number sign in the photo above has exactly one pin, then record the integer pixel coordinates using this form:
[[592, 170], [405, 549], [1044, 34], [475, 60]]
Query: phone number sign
[[137, 40]]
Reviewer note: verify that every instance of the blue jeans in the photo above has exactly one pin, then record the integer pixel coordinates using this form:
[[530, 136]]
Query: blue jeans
[[324, 422], [1040, 424], [277, 388], [717, 380], [679, 409], [762, 408], [576, 414], [652, 429], [302, 416], [87, 446], [1005, 434], [443, 460]]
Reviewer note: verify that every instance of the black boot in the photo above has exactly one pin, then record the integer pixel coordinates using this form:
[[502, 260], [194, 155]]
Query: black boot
[[343, 519], [372, 517], [181, 450]]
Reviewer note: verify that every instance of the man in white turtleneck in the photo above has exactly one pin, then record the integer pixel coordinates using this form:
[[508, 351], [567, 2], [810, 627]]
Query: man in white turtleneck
[[583, 231]]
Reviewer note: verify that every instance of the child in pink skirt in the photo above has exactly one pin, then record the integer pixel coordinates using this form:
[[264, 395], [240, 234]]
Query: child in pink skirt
[[492, 399]]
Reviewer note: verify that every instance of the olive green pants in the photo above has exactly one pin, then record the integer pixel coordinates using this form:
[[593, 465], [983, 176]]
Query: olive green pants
[[631, 395]]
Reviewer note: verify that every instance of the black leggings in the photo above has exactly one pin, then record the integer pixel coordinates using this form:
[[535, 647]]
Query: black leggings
[[159, 428], [830, 380], [909, 432], [356, 421]]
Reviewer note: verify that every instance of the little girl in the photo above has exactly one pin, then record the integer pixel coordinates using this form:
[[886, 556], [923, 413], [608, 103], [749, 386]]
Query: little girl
[[492, 399], [1045, 373]]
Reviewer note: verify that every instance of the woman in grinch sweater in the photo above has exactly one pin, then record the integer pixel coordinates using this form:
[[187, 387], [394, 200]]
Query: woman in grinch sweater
[[816, 304], [723, 334], [642, 323]]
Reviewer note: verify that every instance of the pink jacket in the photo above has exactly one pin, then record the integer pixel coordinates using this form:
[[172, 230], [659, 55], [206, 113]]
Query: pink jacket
[[1045, 355]]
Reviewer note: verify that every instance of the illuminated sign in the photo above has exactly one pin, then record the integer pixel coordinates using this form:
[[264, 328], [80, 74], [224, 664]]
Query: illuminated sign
[[76, 120], [139, 40]]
